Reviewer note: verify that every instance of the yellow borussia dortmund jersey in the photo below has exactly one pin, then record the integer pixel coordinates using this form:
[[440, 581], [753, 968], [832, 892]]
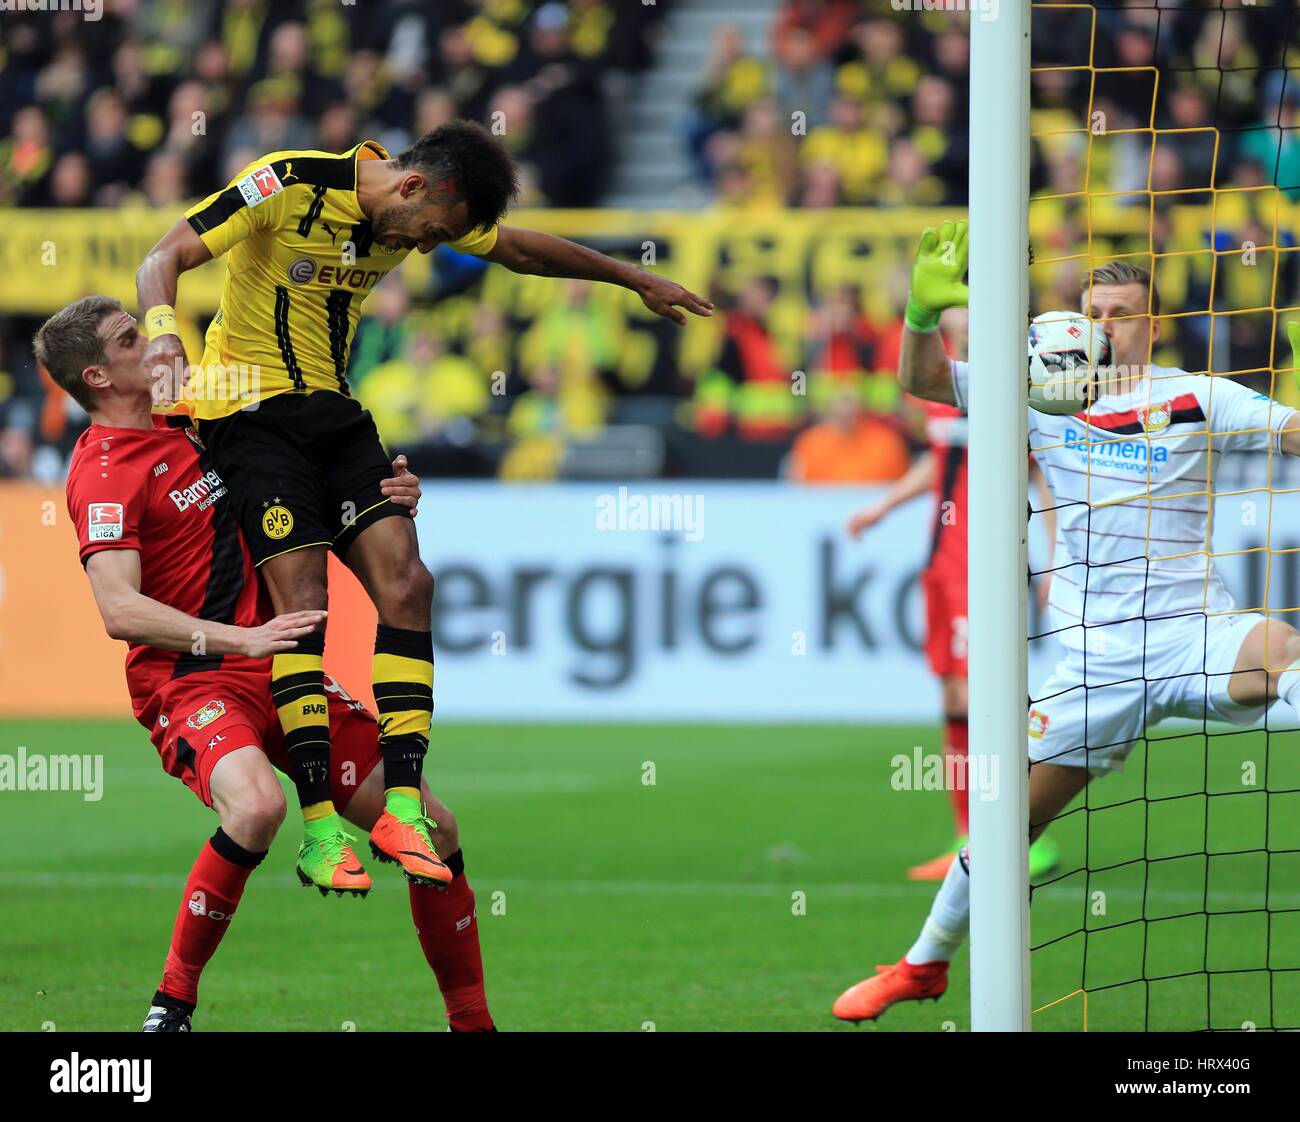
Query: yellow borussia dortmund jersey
[[301, 260]]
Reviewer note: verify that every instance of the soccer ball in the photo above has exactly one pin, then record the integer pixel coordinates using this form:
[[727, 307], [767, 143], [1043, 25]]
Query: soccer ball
[[1066, 353]]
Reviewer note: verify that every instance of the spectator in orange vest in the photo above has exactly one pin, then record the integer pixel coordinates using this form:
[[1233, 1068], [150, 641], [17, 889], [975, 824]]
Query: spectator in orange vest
[[851, 445]]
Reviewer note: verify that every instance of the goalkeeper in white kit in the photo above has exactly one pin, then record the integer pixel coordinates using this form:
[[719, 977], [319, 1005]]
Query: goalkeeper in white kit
[[1132, 582]]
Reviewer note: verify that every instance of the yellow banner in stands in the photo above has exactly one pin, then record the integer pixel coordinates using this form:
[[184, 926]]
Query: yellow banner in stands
[[50, 257]]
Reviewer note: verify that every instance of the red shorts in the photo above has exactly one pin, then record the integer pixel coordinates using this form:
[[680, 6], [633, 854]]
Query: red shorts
[[196, 720], [945, 622]]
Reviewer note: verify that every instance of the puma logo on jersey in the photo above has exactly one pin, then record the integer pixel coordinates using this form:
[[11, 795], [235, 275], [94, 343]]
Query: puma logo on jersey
[[333, 233]]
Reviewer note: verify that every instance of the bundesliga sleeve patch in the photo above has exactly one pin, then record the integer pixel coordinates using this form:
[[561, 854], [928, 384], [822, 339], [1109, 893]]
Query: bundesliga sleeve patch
[[259, 185], [104, 522]]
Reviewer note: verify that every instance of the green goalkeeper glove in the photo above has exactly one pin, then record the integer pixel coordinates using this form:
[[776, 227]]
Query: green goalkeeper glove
[[937, 276]]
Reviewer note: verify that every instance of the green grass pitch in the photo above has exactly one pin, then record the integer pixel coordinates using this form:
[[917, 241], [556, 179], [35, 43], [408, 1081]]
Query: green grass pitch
[[610, 903]]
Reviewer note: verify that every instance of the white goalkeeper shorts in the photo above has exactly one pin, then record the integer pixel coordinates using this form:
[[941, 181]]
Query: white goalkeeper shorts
[[1137, 674]]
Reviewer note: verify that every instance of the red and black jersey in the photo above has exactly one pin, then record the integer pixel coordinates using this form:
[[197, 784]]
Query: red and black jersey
[[945, 430], [155, 491]]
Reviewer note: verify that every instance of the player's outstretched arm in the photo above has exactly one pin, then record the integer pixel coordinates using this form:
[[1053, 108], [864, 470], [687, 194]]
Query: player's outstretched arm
[[537, 254], [915, 481], [131, 616], [180, 250], [937, 284]]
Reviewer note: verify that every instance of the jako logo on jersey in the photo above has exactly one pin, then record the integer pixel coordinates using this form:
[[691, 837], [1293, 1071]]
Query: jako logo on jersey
[[1038, 722], [1111, 451], [104, 522], [205, 490], [205, 716], [302, 270], [259, 185], [158, 470]]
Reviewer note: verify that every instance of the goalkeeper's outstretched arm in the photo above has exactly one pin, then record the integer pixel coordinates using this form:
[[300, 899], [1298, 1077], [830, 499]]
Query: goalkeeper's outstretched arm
[[923, 366], [937, 284]]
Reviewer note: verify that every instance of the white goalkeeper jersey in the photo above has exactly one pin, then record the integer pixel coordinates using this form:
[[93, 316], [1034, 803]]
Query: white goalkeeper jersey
[[1133, 481]]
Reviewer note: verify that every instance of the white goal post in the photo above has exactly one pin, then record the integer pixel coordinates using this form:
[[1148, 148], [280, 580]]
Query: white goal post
[[999, 299]]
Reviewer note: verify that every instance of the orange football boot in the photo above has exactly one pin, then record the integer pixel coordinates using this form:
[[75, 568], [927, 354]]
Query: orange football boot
[[936, 869], [331, 864], [892, 984], [408, 842]]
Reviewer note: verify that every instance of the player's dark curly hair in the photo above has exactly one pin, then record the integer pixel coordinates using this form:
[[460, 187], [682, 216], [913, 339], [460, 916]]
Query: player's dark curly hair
[[464, 159]]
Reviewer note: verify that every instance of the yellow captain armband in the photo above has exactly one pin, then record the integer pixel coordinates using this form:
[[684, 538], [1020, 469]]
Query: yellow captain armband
[[160, 320]]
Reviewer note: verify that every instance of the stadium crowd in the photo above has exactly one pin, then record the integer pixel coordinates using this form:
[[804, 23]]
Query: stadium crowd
[[845, 103]]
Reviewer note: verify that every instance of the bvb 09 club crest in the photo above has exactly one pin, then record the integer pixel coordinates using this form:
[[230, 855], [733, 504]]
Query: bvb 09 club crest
[[277, 522]]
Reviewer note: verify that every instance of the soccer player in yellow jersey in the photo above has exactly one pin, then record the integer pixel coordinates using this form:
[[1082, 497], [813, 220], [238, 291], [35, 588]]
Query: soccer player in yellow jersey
[[308, 235]]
